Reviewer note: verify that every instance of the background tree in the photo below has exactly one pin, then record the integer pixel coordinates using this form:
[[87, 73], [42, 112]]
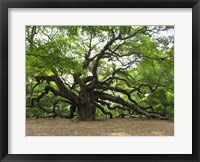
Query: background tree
[[94, 70]]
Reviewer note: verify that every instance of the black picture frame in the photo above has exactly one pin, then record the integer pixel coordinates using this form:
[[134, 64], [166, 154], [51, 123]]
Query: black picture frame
[[6, 4]]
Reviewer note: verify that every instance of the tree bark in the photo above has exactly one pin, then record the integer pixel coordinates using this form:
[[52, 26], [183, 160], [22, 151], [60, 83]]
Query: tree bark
[[86, 108], [86, 111]]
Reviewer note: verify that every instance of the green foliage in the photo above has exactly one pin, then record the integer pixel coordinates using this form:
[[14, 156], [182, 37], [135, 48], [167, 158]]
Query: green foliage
[[61, 51]]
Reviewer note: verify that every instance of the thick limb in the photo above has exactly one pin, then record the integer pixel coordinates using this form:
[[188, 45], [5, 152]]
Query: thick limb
[[134, 107]]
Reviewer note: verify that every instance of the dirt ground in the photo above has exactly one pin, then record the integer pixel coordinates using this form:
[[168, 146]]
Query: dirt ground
[[108, 127]]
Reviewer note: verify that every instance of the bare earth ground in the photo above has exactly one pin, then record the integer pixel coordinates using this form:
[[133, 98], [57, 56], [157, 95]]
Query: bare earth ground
[[108, 127]]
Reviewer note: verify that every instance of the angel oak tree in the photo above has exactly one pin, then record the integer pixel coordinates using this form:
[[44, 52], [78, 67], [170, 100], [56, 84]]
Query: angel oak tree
[[128, 69]]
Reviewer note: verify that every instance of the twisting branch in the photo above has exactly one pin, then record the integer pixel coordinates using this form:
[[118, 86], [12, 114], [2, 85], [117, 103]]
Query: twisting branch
[[134, 107], [63, 91], [114, 107], [116, 89], [103, 111], [100, 55]]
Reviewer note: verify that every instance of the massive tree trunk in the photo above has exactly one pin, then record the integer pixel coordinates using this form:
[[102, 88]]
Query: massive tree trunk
[[86, 108], [86, 111]]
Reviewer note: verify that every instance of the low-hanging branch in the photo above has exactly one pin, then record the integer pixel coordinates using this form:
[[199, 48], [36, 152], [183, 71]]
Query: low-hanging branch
[[134, 107], [103, 110], [114, 107]]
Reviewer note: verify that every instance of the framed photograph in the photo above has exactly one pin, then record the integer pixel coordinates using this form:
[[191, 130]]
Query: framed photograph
[[99, 80]]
